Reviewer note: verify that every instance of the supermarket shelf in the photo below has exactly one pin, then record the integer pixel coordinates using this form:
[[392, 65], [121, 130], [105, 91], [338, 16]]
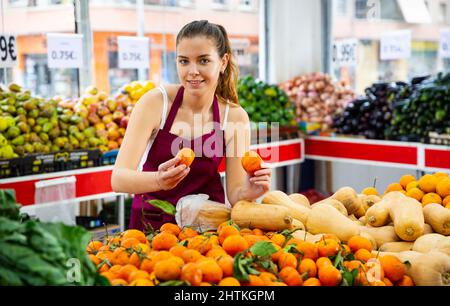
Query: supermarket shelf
[[94, 183], [379, 153]]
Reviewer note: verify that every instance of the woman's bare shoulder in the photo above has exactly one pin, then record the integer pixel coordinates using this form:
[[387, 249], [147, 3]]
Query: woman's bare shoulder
[[238, 114]]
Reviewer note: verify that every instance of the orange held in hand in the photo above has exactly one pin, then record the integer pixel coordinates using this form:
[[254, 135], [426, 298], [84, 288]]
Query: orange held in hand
[[251, 162], [187, 157]]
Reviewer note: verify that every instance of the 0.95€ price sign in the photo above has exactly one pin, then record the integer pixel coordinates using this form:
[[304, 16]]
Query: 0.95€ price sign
[[64, 50], [345, 52], [8, 51]]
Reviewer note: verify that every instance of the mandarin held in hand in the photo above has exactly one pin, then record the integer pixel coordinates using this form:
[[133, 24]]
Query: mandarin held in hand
[[251, 162], [186, 156]]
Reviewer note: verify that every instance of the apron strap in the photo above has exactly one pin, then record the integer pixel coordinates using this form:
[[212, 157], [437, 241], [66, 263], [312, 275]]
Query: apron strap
[[174, 109]]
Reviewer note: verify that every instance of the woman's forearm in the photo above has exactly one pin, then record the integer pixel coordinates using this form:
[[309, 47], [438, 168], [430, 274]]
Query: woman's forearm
[[134, 182], [237, 194]]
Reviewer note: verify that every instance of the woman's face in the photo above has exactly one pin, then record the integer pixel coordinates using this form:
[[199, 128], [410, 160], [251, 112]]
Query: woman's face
[[199, 64]]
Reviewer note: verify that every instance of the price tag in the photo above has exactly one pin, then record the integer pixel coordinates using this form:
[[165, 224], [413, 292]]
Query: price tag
[[444, 45], [345, 52], [240, 49], [8, 51], [64, 50], [395, 45], [134, 52]]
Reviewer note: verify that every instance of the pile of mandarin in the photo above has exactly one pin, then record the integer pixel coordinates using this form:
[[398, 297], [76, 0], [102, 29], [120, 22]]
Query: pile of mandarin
[[185, 257]]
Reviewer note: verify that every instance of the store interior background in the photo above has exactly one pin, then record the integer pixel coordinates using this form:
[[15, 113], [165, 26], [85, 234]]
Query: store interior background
[[274, 40]]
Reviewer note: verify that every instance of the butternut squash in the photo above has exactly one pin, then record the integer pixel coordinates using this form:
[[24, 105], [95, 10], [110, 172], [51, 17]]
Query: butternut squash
[[432, 242], [368, 200], [438, 217], [349, 198], [363, 220], [296, 224], [353, 218], [443, 246], [300, 199], [325, 219], [396, 247], [305, 236], [361, 212], [428, 229], [378, 214], [265, 217], [336, 204], [407, 214], [371, 239], [382, 235], [430, 269], [280, 198]]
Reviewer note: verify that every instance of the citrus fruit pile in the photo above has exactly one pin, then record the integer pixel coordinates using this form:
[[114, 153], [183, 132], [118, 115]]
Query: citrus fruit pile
[[233, 256], [428, 189]]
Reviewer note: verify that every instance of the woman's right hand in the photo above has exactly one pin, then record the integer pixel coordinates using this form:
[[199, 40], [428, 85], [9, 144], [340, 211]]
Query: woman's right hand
[[169, 175]]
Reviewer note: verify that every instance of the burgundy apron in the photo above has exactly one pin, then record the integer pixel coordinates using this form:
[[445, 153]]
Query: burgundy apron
[[203, 178]]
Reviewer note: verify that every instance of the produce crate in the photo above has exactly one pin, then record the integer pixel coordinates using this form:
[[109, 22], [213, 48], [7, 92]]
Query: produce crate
[[437, 139], [60, 161], [263, 135], [11, 167], [309, 128], [89, 223], [83, 159], [101, 232], [109, 158]]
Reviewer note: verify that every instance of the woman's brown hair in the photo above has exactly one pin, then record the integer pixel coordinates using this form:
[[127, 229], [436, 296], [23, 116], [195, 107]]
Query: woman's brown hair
[[227, 85]]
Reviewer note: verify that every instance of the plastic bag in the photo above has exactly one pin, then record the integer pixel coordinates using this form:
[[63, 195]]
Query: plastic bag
[[55, 190], [57, 195], [197, 212], [64, 212]]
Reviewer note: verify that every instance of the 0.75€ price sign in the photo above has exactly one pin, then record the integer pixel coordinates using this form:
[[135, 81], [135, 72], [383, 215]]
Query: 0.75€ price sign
[[64, 50], [134, 52], [444, 44], [8, 51]]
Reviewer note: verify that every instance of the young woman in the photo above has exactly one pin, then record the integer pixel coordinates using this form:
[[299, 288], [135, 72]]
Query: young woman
[[202, 113]]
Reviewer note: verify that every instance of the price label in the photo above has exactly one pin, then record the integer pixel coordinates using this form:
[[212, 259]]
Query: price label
[[345, 52], [241, 50], [444, 45], [64, 50], [134, 52], [8, 51], [395, 45]]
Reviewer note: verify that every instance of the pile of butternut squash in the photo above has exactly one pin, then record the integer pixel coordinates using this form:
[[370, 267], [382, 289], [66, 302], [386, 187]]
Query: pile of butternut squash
[[394, 224]]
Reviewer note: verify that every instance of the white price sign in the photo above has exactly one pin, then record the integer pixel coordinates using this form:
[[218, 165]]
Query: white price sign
[[444, 45], [345, 52], [8, 51], [241, 48], [134, 52], [395, 45], [65, 50]]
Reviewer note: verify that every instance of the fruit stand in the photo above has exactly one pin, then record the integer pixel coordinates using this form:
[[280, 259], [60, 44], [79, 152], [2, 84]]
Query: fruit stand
[[94, 183]]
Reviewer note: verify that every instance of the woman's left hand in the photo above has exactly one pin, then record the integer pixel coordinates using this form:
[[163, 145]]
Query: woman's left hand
[[259, 184]]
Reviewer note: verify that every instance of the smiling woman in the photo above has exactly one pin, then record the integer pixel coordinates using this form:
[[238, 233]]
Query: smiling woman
[[176, 116]]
